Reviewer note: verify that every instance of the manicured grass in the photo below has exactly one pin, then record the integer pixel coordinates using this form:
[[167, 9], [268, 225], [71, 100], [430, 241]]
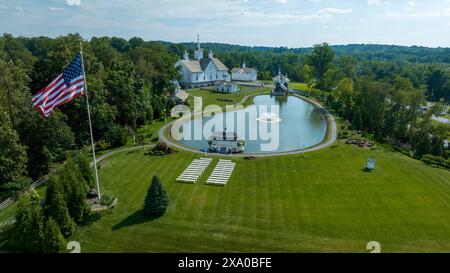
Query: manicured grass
[[322, 201], [216, 98], [298, 86]]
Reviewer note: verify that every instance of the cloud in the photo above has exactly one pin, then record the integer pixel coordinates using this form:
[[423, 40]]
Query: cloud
[[419, 15], [334, 11], [282, 1], [73, 2], [373, 2], [19, 9], [326, 13], [55, 9]]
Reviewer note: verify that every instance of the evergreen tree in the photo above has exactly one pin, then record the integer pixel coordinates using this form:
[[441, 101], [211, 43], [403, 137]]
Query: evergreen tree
[[156, 201], [26, 234], [75, 190], [56, 206], [52, 239], [83, 162]]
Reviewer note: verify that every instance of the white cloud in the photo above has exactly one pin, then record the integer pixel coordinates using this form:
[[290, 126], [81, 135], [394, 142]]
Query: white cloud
[[73, 2], [55, 9], [334, 11], [19, 9], [373, 2], [419, 15], [411, 3], [282, 1], [326, 13]]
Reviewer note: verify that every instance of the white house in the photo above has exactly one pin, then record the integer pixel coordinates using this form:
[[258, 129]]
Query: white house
[[245, 74], [227, 87], [201, 71]]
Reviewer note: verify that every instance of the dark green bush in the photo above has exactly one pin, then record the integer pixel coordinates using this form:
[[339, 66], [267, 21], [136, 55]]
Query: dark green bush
[[116, 136]]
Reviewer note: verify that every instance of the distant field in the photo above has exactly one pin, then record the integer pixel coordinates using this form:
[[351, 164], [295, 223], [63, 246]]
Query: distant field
[[322, 202]]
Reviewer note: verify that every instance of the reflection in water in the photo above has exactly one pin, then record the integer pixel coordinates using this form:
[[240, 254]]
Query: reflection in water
[[298, 124]]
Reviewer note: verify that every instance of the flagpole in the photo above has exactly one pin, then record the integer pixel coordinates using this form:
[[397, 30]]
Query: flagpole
[[90, 124]]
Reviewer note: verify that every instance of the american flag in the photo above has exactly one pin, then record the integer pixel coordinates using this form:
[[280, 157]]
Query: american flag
[[64, 88]]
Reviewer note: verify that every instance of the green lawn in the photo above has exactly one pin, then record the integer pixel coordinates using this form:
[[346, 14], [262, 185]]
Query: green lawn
[[216, 98], [298, 86], [322, 201]]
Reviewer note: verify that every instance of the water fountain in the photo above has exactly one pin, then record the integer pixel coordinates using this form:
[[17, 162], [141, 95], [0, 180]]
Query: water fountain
[[269, 118]]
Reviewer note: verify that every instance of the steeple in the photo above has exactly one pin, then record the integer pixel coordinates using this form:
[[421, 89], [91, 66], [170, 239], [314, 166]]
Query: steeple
[[198, 53]]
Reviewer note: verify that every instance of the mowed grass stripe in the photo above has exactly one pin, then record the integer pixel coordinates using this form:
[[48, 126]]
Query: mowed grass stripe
[[323, 201]]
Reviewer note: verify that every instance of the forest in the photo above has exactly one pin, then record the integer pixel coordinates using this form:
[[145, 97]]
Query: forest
[[378, 89]]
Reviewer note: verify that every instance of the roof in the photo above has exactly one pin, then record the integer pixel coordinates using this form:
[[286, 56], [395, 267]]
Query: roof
[[244, 70], [225, 136], [220, 66], [192, 65], [204, 63], [181, 95], [228, 83], [200, 66]]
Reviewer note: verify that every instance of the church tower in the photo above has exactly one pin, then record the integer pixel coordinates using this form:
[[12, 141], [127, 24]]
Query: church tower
[[198, 54]]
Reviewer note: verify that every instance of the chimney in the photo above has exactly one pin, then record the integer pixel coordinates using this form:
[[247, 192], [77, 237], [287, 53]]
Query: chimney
[[210, 55], [185, 56], [243, 65]]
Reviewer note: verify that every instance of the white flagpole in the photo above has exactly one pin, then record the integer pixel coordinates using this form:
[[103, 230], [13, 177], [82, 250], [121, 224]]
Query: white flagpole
[[90, 123]]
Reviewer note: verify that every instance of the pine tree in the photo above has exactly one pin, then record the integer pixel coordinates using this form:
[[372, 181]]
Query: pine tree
[[82, 160], [75, 190], [156, 201], [52, 239], [26, 234], [56, 206]]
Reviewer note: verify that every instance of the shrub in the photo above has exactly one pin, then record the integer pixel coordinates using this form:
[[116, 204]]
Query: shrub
[[116, 136], [161, 149], [102, 144], [107, 199], [436, 160]]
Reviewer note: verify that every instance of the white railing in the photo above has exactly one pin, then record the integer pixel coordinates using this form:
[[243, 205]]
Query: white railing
[[10, 200]]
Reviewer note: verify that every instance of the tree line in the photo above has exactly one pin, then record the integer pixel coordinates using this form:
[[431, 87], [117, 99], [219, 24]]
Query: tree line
[[126, 79], [389, 108], [128, 82]]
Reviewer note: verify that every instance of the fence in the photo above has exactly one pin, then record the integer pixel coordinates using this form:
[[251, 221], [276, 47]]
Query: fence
[[10, 200]]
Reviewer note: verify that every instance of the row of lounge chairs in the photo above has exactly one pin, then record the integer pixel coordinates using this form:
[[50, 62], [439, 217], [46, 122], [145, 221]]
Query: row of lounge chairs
[[220, 175], [193, 172]]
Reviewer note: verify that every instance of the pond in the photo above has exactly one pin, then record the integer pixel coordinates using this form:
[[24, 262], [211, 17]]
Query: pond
[[277, 124]]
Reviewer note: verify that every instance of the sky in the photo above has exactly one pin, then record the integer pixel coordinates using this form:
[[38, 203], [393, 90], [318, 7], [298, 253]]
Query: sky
[[289, 23]]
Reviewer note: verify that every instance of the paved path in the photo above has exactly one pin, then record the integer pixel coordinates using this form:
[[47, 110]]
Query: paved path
[[104, 156], [441, 119], [328, 142]]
